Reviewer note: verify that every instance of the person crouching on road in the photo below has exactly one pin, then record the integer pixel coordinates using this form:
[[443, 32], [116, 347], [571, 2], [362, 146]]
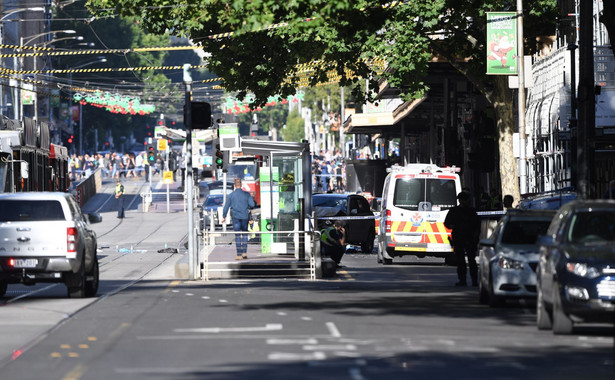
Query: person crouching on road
[[239, 202], [464, 222], [333, 241], [119, 195]]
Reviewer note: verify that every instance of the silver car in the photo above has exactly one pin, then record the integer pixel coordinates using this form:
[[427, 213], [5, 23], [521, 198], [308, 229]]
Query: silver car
[[509, 257], [46, 238]]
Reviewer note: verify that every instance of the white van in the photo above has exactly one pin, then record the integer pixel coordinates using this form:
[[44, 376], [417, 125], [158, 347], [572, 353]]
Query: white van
[[415, 201]]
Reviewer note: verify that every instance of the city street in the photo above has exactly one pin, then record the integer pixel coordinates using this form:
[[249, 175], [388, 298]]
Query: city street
[[371, 321]]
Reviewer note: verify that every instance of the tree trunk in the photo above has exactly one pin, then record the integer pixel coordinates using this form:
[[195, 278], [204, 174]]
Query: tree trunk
[[503, 105]]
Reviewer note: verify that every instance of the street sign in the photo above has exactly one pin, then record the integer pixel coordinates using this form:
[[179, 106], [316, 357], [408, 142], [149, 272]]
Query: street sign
[[167, 177], [162, 145]]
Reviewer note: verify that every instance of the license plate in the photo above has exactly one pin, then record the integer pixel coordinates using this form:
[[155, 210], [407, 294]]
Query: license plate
[[26, 263]]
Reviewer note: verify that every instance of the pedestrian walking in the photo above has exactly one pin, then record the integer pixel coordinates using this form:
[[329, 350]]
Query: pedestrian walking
[[239, 202], [464, 222], [119, 195], [333, 242]]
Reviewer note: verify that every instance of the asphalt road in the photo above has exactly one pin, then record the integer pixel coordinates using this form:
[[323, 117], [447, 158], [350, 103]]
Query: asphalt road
[[371, 321]]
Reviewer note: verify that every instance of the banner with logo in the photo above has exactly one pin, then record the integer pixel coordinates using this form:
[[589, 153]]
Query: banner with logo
[[502, 52]]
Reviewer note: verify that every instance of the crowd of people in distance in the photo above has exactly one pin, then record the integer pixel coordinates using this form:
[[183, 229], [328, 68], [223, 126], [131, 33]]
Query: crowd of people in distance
[[328, 172], [113, 165]]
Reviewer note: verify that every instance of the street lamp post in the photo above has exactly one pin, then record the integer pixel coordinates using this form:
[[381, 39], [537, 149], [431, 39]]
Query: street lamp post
[[2, 20], [21, 65]]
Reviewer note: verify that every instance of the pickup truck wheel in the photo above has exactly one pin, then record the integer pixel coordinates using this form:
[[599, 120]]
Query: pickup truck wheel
[[91, 283], [75, 283], [3, 287]]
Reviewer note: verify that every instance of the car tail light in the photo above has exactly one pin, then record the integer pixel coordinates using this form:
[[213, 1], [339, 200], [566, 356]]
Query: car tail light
[[71, 239], [11, 262], [388, 222]]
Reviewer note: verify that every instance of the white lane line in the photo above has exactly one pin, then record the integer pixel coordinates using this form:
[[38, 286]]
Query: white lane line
[[205, 297], [189, 294], [216, 330], [291, 341], [306, 318], [333, 330], [330, 347], [281, 313], [222, 301], [292, 356]]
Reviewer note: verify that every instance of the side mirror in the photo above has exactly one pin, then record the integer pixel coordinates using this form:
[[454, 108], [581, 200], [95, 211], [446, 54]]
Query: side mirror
[[94, 218]]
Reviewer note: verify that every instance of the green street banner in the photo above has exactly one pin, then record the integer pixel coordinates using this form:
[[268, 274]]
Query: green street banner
[[502, 52]]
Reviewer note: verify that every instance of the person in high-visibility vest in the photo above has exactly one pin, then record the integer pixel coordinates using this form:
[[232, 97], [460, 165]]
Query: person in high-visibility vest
[[119, 195], [333, 241], [253, 227]]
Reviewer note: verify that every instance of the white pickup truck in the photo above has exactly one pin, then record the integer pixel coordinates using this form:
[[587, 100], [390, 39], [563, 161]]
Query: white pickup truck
[[44, 237]]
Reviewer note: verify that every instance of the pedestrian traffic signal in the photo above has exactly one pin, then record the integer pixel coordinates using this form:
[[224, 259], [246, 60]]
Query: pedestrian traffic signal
[[219, 158], [201, 115]]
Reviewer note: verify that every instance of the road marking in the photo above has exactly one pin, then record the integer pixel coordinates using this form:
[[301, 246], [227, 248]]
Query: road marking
[[92, 338], [205, 297], [171, 286], [73, 354], [65, 346], [292, 356], [281, 313], [76, 373], [330, 347], [222, 301], [189, 294], [333, 330], [346, 275], [56, 355], [291, 341], [83, 346], [306, 318], [267, 327]]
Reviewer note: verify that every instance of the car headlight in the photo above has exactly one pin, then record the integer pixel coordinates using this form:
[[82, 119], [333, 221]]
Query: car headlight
[[506, 263], [583, 270]]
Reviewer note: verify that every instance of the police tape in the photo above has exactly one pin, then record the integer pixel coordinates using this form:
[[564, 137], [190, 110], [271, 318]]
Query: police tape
[[342, 217]]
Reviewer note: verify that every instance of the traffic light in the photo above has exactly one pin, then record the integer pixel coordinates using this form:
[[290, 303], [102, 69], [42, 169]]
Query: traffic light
[[218, 156], [151, 156], [201, 115]]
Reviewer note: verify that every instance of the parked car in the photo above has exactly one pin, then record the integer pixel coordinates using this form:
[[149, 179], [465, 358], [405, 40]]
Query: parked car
[[214, 187], [551, 200], [214, 203], [361, 231], [46, 238], [507, 260], [576, 272]]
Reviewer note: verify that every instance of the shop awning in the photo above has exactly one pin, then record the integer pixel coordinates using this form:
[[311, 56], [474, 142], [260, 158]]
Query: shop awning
[[379, 122]]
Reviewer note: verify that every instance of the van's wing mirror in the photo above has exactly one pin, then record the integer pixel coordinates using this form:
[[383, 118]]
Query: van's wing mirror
[[486, 242]]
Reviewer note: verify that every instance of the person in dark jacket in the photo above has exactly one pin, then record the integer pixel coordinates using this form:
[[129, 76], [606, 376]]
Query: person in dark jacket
[[465, 226], [239, 202], [333, 241]]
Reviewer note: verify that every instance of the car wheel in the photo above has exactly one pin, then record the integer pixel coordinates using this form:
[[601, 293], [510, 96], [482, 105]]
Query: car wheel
[[543, 318], [92, 280], [483, 296], [562, 325], [75, 282], [492, 299], [3, 287], [368, 245]]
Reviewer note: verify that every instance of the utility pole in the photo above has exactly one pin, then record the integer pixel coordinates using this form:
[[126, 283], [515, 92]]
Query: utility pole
[[521, 101], [587, 103], [192, 259]]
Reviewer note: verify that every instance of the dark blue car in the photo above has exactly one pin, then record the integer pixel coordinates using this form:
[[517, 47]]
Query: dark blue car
[[576, 271]]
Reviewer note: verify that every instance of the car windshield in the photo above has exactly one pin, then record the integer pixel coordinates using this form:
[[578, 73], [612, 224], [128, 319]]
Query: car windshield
[[329, 202], [524, 231], [213, 201], [592, 227], [410, 192], [29, 210]]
